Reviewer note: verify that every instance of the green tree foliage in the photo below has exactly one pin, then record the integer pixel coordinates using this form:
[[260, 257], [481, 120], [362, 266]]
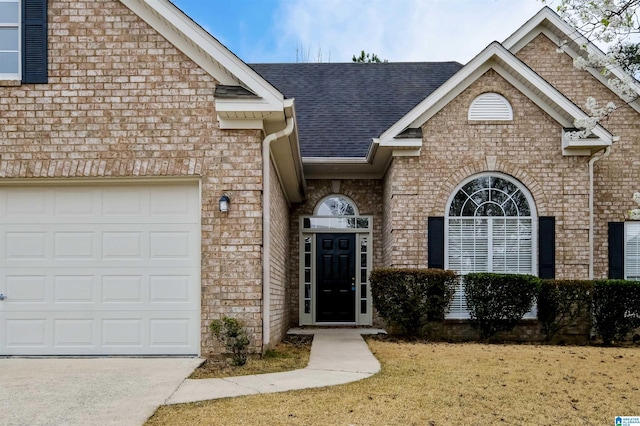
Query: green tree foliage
[[410, 298], [231, 333], [497, 302], [367, 58], [616, 309], [563, 304]]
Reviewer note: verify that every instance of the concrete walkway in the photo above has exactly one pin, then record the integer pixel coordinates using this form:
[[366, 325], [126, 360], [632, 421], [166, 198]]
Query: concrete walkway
[[338, 356]]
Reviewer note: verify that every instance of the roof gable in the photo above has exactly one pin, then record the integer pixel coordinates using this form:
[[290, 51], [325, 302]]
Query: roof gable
[[572, 42], [214, 58], [513, 70]]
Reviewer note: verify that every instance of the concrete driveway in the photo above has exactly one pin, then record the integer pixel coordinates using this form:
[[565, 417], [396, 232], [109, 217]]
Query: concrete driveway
[[105, 391]]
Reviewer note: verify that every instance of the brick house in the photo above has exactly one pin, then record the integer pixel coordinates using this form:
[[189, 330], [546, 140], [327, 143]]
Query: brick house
[[125, 128]]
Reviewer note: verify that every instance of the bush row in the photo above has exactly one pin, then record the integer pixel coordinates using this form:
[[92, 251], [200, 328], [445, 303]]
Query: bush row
[[411, 298]]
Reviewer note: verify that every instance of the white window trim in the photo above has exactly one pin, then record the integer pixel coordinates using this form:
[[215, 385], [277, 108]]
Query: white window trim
[[310, 318], [627, 227], [534, 231], [18, 25]]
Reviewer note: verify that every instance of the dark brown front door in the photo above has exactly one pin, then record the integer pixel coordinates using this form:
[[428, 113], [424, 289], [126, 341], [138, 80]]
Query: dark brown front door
[[335, 280]]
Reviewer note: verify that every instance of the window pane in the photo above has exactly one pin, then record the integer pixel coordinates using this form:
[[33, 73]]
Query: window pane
[[336, 206], [490, 209], [9, 38], [9, 12], [9, 62], [489, 197], [523, 206]]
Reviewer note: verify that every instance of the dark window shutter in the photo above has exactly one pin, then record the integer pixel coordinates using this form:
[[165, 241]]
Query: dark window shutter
[[547, 247], [616, 250], [34, 41], [435, 242]]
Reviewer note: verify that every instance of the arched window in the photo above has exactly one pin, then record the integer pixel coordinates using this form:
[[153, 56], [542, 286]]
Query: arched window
[[489, 228], [336, 205]]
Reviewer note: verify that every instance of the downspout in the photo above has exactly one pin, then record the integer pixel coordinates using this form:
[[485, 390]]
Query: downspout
[[592, 161], [266, 226]]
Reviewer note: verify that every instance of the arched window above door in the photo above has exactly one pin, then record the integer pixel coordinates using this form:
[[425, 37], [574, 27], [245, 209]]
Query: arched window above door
[[336, 211], [336, 205]]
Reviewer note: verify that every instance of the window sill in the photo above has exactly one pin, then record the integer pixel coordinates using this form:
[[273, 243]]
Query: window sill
[[10, 83]]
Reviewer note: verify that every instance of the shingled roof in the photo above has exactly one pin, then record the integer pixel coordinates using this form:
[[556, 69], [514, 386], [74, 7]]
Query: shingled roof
[[341, 106]]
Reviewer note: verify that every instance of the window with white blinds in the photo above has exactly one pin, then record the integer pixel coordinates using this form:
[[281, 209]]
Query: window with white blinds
[[489, 229], [632, 251], [9, 38]]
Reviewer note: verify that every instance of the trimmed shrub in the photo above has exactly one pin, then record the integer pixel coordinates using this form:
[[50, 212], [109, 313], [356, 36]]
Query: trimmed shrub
[[563, 304], [231, 333], [616, 308], [410, 298], [497, 302]]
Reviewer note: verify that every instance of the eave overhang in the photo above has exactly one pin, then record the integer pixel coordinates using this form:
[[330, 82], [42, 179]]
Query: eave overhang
[[248, 102], [285, 154], [218, 61]]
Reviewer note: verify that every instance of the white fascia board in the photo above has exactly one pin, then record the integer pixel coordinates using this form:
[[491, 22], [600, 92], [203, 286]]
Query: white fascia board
[[405, 143], [523, 35], [334, 160], [202, 47], [240, 124], [246, 105]]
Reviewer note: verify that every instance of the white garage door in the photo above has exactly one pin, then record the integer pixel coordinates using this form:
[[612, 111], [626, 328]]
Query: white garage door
[[100, 270]]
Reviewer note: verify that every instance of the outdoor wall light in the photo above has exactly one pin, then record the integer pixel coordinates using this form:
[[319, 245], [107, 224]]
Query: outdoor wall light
[[224, 203]]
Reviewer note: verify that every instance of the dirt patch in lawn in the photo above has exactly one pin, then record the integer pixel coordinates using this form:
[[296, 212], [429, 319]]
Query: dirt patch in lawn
[[449, 384], [290, 354]]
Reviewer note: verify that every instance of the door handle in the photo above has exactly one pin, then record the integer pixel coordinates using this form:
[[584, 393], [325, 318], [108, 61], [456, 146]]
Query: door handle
[[2, 297]]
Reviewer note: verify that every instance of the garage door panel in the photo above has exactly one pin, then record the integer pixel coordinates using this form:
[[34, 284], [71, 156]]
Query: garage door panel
[[74, 332], [29, 245], [100, 270], [28, 332], [74, 289], [114, 290], [80, 246], [169, 332], [74, 245], [26, 289]]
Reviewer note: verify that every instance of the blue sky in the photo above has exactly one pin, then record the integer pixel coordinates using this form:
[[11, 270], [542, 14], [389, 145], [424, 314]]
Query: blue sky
[[334, 30]]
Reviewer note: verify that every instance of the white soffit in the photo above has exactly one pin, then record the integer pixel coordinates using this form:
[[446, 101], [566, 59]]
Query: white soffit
[[205, 50]]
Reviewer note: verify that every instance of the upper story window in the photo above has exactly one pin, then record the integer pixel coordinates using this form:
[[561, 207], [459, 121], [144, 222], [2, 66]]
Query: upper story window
[[23, 41], [10, 39], [490, 107]]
